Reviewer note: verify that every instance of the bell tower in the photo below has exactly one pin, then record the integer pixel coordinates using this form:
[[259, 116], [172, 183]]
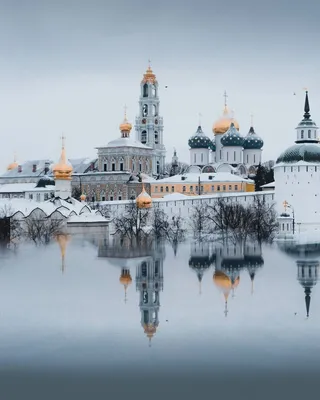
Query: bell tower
[[149, 123]]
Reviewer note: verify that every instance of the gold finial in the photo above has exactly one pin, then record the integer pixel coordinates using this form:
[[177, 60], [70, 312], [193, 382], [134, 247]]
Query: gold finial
[[125, 112], [63, 138], [225, 98], [149, 63]]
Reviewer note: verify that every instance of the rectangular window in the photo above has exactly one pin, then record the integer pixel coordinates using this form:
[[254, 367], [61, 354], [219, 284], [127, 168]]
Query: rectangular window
[[103, 198], [191, 188], [218, 188], [307, 169], [201, 157], [230, 187], [156, 189], [196, 188], [111, 198], [247, 158], [234, 156], [30, 196], [291, 169], [167, 188], [298, 169], [161, 189], [119, 198], [113, 166], [172, 188], [183, 188], [195, 158], [46, 196], [224, 188], [201, 188], [235, 187], [140, 167], [121, 166], [105, 167], [212, 188], [254, 159]]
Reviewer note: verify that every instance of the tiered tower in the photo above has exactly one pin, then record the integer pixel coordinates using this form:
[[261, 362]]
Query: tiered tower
[[149, 123]]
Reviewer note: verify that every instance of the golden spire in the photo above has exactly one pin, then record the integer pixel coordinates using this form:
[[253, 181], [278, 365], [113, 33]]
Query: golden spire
[[14, 164], [63, 169], [125, 127], [149, 76], [125, 280]]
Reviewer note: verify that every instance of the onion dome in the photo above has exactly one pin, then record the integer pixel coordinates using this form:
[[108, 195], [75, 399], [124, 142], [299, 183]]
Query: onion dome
[[144, 200], [252, 140], [12, 165], [149, 76], [232, 137], [223, 124], [212, 145], [300, 152], [222, 281], [199, 140], [83, 197], [63, 169], [150, 330], [45, 181], [125, 126]]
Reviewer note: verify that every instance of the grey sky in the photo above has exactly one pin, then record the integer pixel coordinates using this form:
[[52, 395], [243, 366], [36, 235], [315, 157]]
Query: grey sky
[[70, 66]]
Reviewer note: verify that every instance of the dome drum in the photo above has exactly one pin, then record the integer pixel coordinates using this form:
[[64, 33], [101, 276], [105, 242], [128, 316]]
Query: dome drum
[[300, 152]]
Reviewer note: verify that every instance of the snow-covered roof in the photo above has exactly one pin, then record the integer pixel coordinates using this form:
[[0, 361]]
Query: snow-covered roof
[[27, 169], [126, 142], [24, 187], [175, 196], [193, 177], [269, 185]]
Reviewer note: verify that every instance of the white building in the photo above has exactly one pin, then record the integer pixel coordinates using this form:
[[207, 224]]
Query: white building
[[297, 175]]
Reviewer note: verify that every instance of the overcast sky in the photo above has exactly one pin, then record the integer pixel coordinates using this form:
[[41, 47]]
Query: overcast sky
[[70, 66]]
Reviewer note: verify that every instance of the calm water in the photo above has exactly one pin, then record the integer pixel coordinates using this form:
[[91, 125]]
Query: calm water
[[84, 315]]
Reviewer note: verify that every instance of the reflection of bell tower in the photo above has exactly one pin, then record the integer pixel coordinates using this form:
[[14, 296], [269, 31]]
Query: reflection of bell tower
[[149, 282], [308, 275], [63, 240], [149, 124], [253, 260]]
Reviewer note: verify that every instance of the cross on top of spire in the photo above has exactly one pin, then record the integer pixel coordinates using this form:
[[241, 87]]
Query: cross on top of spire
[[63, 138], [225, 98], [125, 111]]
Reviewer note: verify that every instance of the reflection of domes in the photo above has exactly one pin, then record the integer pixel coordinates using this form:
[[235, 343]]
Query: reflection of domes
[[199, 140], [144, 200], [125, 278], [223, 124], [83, 197], [252, 140], [232, 137], [301, 152], [150, 330], [222, 280]]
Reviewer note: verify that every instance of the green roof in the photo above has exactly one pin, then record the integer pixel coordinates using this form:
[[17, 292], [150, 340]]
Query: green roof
[[308, 152]]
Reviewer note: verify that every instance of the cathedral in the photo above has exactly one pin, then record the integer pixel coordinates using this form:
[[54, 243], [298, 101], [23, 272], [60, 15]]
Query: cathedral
[[228, 151]]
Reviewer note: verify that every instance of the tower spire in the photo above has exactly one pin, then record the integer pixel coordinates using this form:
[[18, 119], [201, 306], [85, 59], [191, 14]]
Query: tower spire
[[306, 107], [307, 299], [225, 98]]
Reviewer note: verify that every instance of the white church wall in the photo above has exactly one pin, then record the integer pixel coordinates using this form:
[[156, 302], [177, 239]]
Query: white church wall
[[251, 156], [199, 156]]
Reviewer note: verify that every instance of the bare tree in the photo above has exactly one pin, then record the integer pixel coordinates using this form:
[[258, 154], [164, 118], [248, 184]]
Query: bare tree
[[263, 220], [133, 222], [176, 231], [41, 230], [160, 224], [199, 220], [13, 226]]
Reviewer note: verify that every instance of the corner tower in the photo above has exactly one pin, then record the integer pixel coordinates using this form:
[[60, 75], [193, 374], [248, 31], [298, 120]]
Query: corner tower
[[149, 123]]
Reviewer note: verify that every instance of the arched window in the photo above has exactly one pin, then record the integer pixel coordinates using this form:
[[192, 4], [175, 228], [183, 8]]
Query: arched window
[[145, 90], [201, 157], [144, 137], [302, 134], [309, 134], [154, 91], [158, 167], [234, 156], [156, 137], [195, 158], [247, 158], [140, 166], [145, 110], [154, 110]]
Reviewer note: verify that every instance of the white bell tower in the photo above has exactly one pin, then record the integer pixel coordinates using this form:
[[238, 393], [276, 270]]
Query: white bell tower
[[149, 123]]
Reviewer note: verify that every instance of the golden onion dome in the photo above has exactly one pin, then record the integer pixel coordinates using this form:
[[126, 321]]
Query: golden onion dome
[[83, 197], [125, 126], [236, 283], [125, 278], [223, 124], [62, 170], [12, 166], [222, 281], [144, 200], [150, 330], [149, 76]]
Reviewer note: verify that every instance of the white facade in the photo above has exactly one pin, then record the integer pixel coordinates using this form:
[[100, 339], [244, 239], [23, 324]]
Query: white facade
[[199, 157], [62, 188], [213, 157], [232, 154], [252, 156], [219, 154], [149, 123]]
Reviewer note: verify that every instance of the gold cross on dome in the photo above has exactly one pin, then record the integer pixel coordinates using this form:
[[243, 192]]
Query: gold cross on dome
[[285, 205], [63, 138], [149, 62], [225, 98], [125, 111]]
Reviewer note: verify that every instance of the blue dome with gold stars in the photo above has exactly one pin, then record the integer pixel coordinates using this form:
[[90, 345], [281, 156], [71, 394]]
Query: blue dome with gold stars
[[252, 140]]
